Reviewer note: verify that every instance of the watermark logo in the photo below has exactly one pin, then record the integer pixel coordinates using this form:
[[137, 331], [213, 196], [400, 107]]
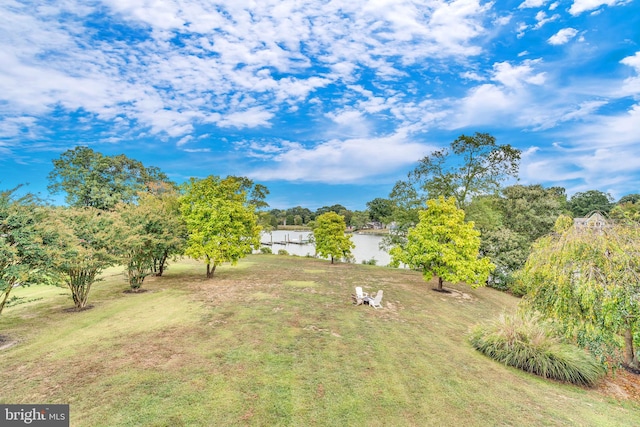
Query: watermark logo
[[34, 415]]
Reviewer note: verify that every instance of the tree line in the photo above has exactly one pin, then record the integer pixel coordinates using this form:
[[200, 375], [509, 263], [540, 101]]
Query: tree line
[[120, 212]]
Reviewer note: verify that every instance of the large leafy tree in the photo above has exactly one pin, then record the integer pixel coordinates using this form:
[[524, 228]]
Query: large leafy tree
[[510, 222], [329, 236], [532, 210], [305, 214], [160, 211], [91, 179], [442, 244], [338, 208], [137, 246], [627, 208], [28, 242], [91, 244], [471, 166], [359, 219], [221, 220], [406, 206], [583, 203], [626, 212], [154, 231], [255, 193], [589, 281], [380, 209], [629, 198]]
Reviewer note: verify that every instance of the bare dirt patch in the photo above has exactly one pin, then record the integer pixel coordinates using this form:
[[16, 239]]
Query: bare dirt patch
[[460, 295], [622, 385], [135, 291], [6, 342], [77, 310]]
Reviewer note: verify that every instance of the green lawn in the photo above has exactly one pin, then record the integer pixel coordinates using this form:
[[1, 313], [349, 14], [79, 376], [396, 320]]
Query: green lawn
[[273, 341]]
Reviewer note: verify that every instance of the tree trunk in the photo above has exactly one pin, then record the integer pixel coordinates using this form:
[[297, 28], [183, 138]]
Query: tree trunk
[[6, 297], [159, 264], [331, 259], [80, 282], [210, 270], [161, 267], [440, 281], [630, 358]]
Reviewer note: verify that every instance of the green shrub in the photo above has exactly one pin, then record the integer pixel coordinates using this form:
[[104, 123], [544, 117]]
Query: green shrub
[[266, 250], [282, 252], [372, 261], [524, 341]]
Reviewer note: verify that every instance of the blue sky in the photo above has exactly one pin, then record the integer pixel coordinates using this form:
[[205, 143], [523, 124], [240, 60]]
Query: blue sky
[[322, 101]]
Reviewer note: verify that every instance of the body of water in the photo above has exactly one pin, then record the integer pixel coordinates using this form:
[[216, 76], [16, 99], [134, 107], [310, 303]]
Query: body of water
[[367, 245]]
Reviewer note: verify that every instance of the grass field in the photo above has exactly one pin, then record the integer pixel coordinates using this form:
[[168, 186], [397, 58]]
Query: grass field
[[274, 341]]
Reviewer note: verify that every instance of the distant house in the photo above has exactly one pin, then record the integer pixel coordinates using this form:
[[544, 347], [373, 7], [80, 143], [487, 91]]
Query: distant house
[[595, 221]]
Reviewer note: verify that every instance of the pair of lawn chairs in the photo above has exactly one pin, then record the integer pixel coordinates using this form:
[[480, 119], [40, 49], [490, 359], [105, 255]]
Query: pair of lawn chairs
[[363, 298]]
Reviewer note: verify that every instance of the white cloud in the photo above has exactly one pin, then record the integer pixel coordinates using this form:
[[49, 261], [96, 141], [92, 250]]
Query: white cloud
[[563, 36], [542, 19], [522, 27], [184, 140], [551, 115], [531, 3], [507, 100], [517, 76], [484, 104], [345, 117], [502, 20], [17, 127], [471, 75], [580, 6], [581, 168], [343, 161], [250, 118], [197, 150], [633, 61], [617, 130], [268, 51], [631, 85], [601, 153]]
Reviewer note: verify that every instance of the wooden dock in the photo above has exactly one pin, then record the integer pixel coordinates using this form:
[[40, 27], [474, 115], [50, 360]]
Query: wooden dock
[[287, 241]]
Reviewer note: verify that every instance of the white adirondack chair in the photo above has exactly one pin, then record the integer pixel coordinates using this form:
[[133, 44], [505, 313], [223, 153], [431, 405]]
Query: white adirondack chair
[[360, 296], [376, 302]]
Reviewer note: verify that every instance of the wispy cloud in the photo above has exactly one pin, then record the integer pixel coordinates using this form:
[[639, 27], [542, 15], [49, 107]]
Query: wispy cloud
[[580, 6], [563, 36], [250, 118], [197, 150], [542, 19], [532, 3], [223, 51], [631, 85], [504, 100], [341, 161], [632, 61]]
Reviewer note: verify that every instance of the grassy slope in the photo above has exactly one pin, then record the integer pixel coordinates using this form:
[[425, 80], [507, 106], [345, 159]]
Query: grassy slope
[[276, 341]]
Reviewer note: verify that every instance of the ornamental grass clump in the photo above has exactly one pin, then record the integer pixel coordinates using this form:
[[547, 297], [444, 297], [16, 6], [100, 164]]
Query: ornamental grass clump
[[524, 341]]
